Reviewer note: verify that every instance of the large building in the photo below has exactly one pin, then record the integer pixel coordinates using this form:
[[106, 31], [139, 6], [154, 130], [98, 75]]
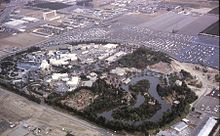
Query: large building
[[207, 128], [51, 15]]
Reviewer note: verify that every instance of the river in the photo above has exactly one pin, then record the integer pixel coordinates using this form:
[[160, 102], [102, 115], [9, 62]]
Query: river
[[154, 81]]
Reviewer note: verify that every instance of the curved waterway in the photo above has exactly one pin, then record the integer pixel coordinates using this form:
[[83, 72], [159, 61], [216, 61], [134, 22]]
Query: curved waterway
[[27, 65], [154, 81]]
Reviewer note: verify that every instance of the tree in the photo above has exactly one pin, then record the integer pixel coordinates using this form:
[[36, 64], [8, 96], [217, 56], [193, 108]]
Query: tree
[[69, 133], [217, 78]]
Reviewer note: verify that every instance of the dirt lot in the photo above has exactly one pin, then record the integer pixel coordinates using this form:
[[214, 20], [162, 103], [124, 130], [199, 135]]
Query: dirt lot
[[39, 14], [176, 66], [21, 40], [161, 67], [194, 3], [207, 83], [15, 108], [80, 100], [139, 18], [31, 13]]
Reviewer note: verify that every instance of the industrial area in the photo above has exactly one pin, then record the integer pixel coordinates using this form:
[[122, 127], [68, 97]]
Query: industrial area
[[109, 67]]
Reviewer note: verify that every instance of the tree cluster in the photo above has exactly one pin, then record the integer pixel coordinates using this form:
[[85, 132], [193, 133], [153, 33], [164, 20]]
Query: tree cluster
[[142, 57]]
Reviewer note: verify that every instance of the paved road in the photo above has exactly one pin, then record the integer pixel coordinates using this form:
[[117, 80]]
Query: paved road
[[5, 13], [10, 7]]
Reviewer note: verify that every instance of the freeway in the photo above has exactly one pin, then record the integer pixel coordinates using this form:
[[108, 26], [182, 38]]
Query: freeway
[[5, 13], [10, 7]]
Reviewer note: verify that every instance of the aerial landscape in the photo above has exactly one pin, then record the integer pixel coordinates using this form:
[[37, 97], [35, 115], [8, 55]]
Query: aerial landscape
[[109, 68]]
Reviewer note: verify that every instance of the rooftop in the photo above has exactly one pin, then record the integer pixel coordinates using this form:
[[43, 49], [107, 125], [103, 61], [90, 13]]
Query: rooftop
[[207, 128], [180, 126]]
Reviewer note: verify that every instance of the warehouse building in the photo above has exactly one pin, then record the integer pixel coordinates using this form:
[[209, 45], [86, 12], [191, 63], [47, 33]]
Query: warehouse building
[[207, 128]]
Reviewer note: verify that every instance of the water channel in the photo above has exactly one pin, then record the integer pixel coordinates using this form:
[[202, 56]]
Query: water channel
[[154, 81]]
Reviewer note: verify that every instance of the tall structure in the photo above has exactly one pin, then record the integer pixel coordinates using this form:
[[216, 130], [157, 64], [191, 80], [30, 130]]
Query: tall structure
[[51, 15]]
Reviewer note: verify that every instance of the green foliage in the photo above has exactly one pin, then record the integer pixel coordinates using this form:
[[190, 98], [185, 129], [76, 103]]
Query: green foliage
[[22, 93], [172, 78], [52, 98], [143, 57], [130, 113], [109, 97], [186, 75], [142, 112], [162, 91], [69, 134], [140, 86], [181, 109]]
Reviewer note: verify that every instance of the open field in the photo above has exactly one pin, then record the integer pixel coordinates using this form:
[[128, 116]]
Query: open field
[[100, 3], [161, 67], [15, 108], [194, 3], [22, 40], [139, 18], [35, 13], [169, 21], [199, 24], [207, 83], [31, 12]]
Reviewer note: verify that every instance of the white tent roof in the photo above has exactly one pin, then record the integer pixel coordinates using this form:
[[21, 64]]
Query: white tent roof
[[207, 128], [44, 65], [57, 76], [74, 81]]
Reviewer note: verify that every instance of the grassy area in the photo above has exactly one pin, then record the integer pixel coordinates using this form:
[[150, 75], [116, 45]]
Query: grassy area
[[213, 29], [142, 57]]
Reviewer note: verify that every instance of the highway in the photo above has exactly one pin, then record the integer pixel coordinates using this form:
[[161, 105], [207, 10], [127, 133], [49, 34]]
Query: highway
[[5, 13], [10, 7]]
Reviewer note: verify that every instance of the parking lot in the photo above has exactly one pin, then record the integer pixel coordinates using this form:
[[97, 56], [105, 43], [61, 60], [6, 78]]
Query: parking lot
[[214, 93], [181, 47], [208, 105], [184, 48]]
